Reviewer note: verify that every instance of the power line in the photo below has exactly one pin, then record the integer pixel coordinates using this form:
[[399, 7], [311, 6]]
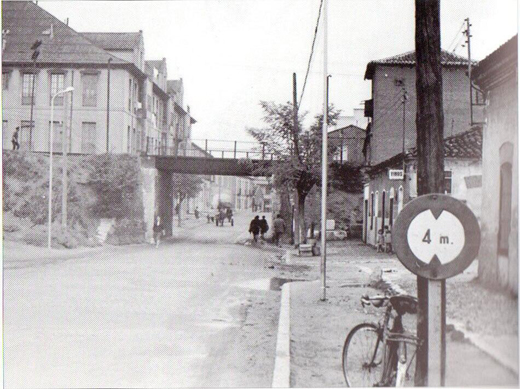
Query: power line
[[312, 52], [455, 37]]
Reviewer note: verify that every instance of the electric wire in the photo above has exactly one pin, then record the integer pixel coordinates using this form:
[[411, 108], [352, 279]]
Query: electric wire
[[310, 57]]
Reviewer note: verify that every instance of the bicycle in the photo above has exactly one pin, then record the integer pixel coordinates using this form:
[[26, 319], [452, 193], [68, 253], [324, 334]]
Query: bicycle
[[377, 355]]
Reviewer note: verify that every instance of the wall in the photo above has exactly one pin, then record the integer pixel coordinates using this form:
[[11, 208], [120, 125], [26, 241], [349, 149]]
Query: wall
[[501, 128], [387, 127]]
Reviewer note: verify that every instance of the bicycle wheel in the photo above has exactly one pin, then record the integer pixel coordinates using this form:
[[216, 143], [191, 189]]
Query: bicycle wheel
[[363, 356]]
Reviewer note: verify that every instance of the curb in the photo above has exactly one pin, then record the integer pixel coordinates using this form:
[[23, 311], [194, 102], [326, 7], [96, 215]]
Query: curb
[[473, 338], [484, 346], [282, 362]]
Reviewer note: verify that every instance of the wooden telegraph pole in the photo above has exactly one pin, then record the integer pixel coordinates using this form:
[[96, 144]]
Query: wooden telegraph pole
[[430, 146], [296, 219]]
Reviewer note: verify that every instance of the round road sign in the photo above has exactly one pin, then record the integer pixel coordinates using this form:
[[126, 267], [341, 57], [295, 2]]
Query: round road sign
[[436, 236]]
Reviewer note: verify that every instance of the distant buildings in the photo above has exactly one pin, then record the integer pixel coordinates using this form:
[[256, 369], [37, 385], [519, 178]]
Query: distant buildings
[[121, 103], [348, 141], [497, 76]]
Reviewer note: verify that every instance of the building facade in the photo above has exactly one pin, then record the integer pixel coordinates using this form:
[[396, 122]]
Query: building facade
[[392, 108], [120, 103], [385, 195], [497, 76]]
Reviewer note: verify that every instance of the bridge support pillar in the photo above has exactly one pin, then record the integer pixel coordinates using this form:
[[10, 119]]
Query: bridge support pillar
[[165, 200], [149, 199]]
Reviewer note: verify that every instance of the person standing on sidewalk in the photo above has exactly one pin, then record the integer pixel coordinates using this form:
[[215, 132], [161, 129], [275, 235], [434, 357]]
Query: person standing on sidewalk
[[279, 229], [264, 227], [14, 139], [158, 231]]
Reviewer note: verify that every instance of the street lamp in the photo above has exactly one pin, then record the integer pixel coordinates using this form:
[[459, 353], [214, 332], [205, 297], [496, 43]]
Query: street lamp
[[61, 92]]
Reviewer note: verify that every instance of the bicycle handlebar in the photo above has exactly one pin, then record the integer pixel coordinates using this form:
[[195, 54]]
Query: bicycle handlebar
[[377, 300]]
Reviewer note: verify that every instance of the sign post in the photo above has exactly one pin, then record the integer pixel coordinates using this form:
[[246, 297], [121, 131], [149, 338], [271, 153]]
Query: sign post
[[436, 237]]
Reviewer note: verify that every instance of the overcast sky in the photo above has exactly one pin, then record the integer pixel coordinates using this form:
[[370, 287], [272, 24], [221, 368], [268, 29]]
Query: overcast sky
[[234, 53]]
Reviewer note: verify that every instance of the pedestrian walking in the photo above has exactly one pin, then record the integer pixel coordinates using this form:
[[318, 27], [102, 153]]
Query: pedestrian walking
[[158, 231], [14, 139], [279, 229], [254, 227], [380, 241], [264, 227], [196, 212], [388, 240]]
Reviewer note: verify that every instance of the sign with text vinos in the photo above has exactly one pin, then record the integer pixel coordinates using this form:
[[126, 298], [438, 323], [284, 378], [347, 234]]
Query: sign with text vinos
[[436, 236]]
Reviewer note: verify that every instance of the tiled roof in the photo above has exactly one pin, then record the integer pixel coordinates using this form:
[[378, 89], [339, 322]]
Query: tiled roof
[[498, 65], [467, 144], [114, 40], [408, 59], [27, 23]]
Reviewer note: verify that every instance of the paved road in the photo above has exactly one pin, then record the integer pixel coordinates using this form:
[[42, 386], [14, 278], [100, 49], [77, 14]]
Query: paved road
[[197, 311]]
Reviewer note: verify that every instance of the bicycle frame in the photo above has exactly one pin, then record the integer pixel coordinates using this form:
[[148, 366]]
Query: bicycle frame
[[394, 342]]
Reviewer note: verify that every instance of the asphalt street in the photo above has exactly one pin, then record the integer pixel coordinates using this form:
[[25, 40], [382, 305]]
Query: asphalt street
[[197, 311]]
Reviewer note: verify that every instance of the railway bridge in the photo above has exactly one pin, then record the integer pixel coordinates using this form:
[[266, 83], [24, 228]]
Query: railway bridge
[[221, 158]]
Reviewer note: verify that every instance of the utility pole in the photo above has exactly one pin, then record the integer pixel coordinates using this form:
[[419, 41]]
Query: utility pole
[[297, 229], [64, 144], [108, 104], [324, 159], [468, 35], [430, 152], [405, 97]]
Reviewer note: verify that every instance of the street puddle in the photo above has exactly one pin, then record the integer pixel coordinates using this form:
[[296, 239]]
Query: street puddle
[[276, 282], [266, 284]]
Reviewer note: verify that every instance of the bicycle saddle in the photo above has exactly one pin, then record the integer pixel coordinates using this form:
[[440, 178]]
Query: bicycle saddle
[[404, 304]]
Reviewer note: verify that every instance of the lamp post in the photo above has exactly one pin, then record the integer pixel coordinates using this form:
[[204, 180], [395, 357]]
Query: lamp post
[[67, 90]]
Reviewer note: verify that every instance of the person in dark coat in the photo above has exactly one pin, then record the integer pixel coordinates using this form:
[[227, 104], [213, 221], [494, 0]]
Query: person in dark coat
[[264, 227], [254, 227]]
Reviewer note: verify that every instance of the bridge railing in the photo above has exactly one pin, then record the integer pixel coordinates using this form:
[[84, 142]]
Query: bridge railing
[[211, 148]]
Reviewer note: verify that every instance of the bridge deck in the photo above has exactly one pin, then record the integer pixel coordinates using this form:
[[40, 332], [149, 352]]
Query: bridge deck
[[213, 166]]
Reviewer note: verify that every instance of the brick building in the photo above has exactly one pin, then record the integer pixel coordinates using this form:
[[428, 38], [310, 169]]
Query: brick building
[[391, 79], [385, 196], [497, 76]]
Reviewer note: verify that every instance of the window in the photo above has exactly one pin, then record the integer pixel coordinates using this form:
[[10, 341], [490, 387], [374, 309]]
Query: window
[[504, 226], [130, 91], [90, 90], [5, 80], [371, 210], [57, 84], [57, 133], [128, 141], [88, 137], [27, 88], [447, 182]]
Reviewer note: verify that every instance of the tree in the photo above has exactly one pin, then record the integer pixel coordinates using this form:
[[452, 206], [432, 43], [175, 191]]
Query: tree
[[297, 152], [185, 186]]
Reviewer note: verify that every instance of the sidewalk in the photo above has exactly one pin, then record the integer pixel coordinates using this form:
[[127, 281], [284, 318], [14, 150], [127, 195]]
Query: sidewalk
[[319, 329]]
